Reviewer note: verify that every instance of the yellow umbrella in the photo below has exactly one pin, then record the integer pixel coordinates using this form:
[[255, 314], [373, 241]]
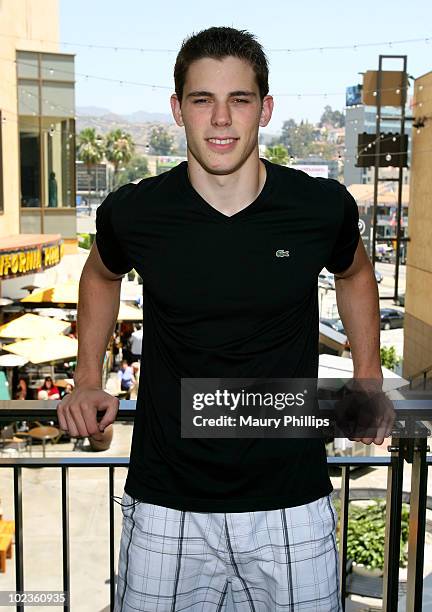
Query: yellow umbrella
[[32, 326], [63, 293], [67, 293], [45, 349]]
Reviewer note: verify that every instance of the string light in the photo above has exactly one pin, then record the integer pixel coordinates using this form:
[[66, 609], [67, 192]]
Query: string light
[[320, 48], [167, 87]]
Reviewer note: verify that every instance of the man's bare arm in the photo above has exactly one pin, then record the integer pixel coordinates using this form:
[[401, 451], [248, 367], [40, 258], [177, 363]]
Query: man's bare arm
[[98, 306], [358, 304]]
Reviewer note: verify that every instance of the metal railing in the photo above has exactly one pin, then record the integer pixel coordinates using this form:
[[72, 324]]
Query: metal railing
[[411, 449], [424, 373]]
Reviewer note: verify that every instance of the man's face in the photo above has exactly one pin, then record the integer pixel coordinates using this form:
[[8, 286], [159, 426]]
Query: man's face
[[221, 111]]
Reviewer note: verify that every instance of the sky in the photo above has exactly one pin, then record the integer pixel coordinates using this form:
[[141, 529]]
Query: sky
[[279, 25]]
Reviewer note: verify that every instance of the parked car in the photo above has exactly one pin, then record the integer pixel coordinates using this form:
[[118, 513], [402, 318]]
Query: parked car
[[391, 318], [326, 280], [335, 324]]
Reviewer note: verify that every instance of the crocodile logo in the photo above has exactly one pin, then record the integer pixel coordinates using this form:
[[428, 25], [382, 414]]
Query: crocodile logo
[[282, 253]]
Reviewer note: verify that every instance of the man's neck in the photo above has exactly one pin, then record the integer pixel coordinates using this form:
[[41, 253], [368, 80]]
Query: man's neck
[[229, 193]]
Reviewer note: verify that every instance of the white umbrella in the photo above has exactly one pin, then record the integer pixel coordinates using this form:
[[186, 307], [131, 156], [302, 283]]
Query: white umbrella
[[10, 361]]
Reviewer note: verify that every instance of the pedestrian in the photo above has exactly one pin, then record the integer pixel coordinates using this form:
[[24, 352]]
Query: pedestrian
[[135, 343], [229, 247], [126, 376], [136, 368], [67, 389], [48, 390], [21, 389]]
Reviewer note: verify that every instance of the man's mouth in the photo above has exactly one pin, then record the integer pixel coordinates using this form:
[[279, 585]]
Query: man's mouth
[[222, 145], [221, 141]]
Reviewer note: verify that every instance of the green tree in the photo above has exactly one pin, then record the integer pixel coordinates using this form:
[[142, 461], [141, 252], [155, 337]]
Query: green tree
[[333, 117], [119, 149], [161, 142], [90, 151], [277, 154], [297, 138], [137, 168], [389, 358]]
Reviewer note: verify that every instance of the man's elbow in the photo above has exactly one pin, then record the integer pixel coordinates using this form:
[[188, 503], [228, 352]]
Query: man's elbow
[[96, 269]]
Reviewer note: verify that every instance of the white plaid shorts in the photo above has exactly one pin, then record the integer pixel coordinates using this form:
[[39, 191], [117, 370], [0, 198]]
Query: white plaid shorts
[[278, 560]]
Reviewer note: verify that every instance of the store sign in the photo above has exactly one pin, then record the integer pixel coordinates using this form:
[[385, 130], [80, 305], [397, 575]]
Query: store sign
[[316, 170], [19, 262]]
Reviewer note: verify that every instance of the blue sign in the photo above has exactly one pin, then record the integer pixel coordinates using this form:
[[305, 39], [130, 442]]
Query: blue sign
[[353, 95]]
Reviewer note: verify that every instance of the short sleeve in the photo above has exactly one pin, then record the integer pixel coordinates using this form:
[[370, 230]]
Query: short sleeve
[[109, 247], [348, 236]]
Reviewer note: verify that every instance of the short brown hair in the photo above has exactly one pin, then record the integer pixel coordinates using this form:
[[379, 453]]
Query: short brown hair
[[217, 43]]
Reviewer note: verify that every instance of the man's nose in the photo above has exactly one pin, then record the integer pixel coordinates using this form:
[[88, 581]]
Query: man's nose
[[221, 114]]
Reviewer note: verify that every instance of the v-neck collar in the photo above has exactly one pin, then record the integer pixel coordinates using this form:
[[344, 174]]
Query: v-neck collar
[[190, 192]]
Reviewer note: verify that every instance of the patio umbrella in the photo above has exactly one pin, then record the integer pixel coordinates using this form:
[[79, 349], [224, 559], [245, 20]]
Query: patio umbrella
[[67, 293], [45, 349], [57, 313], [63, 293], [32, 326], [30, 288], [9, 362], [129, 313]]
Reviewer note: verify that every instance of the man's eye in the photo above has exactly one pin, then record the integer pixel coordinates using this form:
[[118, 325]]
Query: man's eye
[[241, 100], [200, 101]]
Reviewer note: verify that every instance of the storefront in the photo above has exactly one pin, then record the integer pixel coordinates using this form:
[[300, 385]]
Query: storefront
[[24, 255]]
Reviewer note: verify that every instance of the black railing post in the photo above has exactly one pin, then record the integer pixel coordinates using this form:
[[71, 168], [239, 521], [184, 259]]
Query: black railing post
[[393, 526], [417, 526], [111, 536], [65, 535], [343, 527], [19, 560]]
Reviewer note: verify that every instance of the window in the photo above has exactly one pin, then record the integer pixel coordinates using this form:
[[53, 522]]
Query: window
[[30, 163], [1, 165], [46, 129]]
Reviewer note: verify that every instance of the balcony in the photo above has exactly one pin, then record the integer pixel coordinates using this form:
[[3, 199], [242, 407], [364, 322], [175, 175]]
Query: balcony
[[67, 521]]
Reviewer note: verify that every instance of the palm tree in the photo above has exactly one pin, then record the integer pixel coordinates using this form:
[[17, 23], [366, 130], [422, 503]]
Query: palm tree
[[119, 149], [90, 151]]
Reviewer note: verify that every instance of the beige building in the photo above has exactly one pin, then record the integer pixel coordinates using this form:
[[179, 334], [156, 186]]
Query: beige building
[[37, 141], [418, 299]]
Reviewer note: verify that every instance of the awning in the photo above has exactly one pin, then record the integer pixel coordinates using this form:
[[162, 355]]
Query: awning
[[32, 326], [45, 349]]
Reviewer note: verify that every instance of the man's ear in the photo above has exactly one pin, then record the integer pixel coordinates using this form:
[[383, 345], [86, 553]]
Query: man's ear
[[266, 111], [176, 110]]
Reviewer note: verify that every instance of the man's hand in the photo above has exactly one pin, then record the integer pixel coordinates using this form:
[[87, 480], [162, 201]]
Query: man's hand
[[77, 411], [365, 414]]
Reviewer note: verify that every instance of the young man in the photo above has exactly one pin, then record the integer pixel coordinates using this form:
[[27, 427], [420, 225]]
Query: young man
[[220, 302]]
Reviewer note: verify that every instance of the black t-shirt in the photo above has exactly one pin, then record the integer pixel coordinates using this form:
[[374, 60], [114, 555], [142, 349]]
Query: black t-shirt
[[219, 303]]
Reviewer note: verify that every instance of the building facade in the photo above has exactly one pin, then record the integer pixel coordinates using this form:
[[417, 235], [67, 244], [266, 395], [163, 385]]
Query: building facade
[[418, 309], [37, 142], [360, 118]]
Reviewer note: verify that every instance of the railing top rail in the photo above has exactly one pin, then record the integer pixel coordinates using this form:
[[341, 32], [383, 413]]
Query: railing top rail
[[124, 461], [48, 408]]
